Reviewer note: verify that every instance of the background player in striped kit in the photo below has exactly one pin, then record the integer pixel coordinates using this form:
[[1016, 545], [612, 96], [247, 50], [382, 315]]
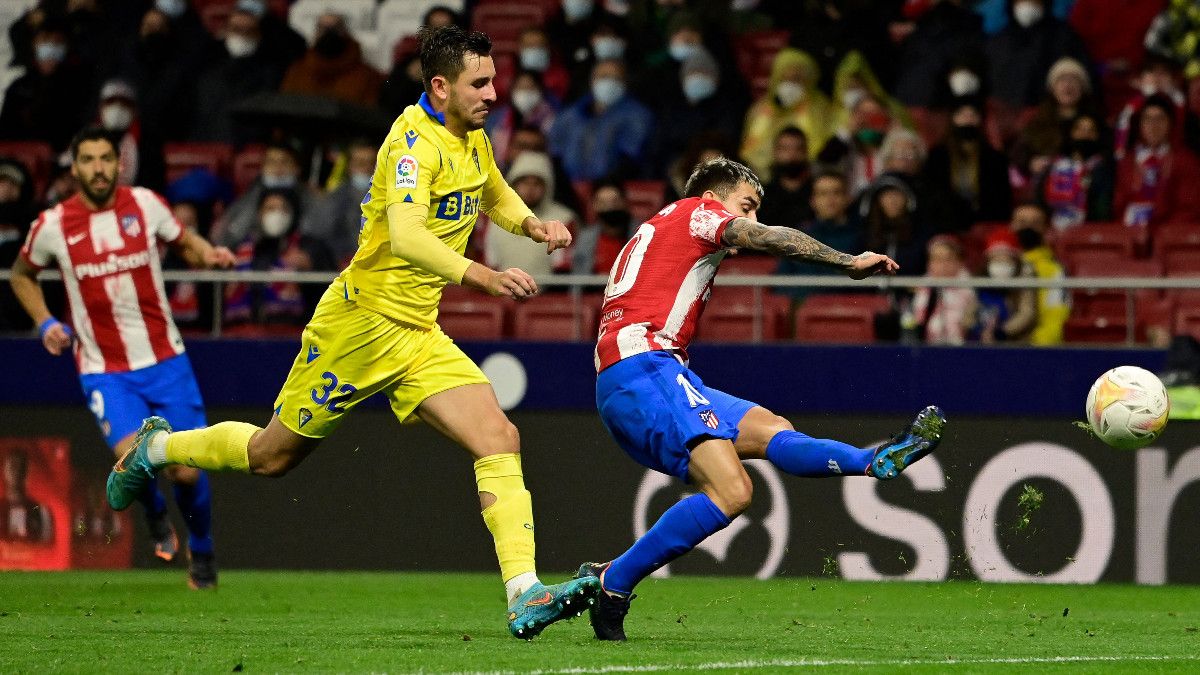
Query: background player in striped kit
[[127, 350]]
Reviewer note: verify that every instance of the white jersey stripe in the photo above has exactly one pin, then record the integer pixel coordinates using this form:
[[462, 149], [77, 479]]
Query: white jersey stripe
[[129, 321], [690, 290]]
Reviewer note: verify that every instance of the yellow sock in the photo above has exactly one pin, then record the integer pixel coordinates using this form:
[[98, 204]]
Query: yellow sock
[[510, 518], [221, 447]]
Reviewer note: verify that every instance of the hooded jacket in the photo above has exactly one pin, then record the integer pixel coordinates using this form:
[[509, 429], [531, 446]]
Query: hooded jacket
[[504, 249], [767, 117]]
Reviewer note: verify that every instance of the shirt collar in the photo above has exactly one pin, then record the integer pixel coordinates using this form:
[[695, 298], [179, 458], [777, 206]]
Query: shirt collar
[[427, 106]]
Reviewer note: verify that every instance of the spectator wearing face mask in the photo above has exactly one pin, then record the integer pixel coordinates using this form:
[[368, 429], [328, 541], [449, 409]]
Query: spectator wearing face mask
[[280, 170], [791, 100], [571, 31], [1068, 95], [1157, 177], [529, 106], [787, 195], [161, 65], [336, 217], [852, 82], [942, 36], [605, 133], [536, 55], [1021, 55], [280, 42], [276, 243], [974, 172], [609, 39], [532, 176], [141, 158], [333, 67], [705, 105], [244, 68], [1078, 184], [658, 81], [597, 244], [1030, 222], [1005, 314], [854, 149], [47, 103]]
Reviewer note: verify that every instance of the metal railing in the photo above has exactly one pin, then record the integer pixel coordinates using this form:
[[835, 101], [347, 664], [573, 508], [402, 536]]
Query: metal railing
[[577, 283]]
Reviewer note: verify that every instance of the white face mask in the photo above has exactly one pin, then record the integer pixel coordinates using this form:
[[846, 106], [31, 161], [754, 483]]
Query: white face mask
[[789, 93], [574, 10], [699, 87], [240, 46], [361, 181], [607, 47], [607, 90], [278, 181], [172, 8], [963, 83], [1028, 13], [53, 52], [851, 98], [743, 5], [276, 223], [1001, 268], [618, 7], [525, 100], [116, 117], [536, 59], [681, 50]]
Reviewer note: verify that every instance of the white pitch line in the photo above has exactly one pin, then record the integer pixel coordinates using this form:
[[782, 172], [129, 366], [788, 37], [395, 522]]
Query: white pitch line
[[817, 663]]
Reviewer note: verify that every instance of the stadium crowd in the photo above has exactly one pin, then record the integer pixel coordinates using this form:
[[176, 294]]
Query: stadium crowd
[[996, 138]]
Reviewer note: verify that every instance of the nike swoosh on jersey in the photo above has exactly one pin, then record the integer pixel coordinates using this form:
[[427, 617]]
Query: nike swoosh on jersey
[[75, 239]]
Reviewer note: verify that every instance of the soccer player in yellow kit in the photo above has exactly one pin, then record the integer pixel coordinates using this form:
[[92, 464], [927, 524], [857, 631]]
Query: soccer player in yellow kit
[[375, 328]]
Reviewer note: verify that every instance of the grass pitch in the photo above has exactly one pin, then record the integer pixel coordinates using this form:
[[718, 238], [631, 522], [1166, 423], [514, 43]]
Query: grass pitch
[[147, 621]]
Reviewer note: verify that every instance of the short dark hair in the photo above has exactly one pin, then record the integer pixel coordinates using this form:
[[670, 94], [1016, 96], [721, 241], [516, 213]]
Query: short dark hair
[[93, 133], [792, 131], [721, 176], [444, 51], [831, 173]]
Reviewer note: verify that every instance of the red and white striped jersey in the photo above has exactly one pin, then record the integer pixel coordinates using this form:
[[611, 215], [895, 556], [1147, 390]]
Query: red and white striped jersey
[[661, 281], [112, 273]]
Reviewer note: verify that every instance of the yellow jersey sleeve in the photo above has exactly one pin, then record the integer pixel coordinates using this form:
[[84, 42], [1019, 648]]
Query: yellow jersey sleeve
[[500, 201]]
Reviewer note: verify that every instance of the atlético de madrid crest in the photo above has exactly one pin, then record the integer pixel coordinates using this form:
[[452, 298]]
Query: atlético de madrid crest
[[709, 418], [131, 226]]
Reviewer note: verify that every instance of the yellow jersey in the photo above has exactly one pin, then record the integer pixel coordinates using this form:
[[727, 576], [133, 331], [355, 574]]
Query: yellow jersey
[[421, 162]]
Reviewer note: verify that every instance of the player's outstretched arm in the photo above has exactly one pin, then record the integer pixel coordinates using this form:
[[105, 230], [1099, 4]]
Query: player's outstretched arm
[[794, 244], [197, 252], [55, 335]]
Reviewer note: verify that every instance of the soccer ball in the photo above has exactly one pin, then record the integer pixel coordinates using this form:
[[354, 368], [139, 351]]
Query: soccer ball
[[1127, 407]]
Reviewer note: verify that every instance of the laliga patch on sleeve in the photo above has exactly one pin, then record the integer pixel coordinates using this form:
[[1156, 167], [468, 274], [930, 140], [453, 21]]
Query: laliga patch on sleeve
[[406, 172], [704, 223]]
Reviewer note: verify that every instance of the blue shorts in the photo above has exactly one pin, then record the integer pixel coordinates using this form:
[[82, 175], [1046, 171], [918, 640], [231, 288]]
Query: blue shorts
[[120, 401], [657, 410]]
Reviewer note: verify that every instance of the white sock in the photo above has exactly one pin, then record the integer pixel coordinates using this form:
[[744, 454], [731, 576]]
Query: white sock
[[519, 584], [157, 452]]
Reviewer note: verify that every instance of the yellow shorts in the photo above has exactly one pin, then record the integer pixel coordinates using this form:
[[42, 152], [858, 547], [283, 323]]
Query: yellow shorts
[[349, 353]]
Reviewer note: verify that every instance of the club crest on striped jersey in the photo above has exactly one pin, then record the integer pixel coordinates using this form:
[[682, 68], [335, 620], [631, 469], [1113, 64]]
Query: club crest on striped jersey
[[131, 226]]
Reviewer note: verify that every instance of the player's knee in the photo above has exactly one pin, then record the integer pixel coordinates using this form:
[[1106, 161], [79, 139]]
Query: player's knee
[[502, 438], [735, 496], [779, 424]]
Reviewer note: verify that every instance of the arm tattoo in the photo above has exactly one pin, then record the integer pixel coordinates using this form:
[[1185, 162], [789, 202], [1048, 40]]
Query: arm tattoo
[[782, 241]]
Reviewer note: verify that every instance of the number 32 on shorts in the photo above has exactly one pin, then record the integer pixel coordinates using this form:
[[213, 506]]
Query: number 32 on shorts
[[323, 395]]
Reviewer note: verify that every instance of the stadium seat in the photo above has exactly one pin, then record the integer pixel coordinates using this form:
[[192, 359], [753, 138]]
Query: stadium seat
[[1187, 321], [755, 52], [503, 20], [247, 164], [479, 318], [38, 158], [553, 317], [1177, 247], [1114, 238], [1100, 329], [181, 158], [398, 20], [1112, 302], [839, 317], [360, 15], [645, 198], [731, 316], [749, 264]]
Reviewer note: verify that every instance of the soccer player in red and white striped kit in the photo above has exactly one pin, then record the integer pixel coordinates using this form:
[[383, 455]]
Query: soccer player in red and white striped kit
[[128, 352]]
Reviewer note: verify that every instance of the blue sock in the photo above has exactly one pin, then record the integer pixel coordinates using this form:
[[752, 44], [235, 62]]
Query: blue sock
[[195, 504], [800, 455], [153, 500], [684, 525]]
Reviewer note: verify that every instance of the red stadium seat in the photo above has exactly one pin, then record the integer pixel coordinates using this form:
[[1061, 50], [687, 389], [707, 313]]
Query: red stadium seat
[[749, 263], [38, 158], [1187, 321], [1113, 238], [645, 198], [480, 318], [1112, 303], [247, 165], [183, 157], [553, 317], [1101, 329], [1178, 247], [504, 20], [731, 316], [838, 317]]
